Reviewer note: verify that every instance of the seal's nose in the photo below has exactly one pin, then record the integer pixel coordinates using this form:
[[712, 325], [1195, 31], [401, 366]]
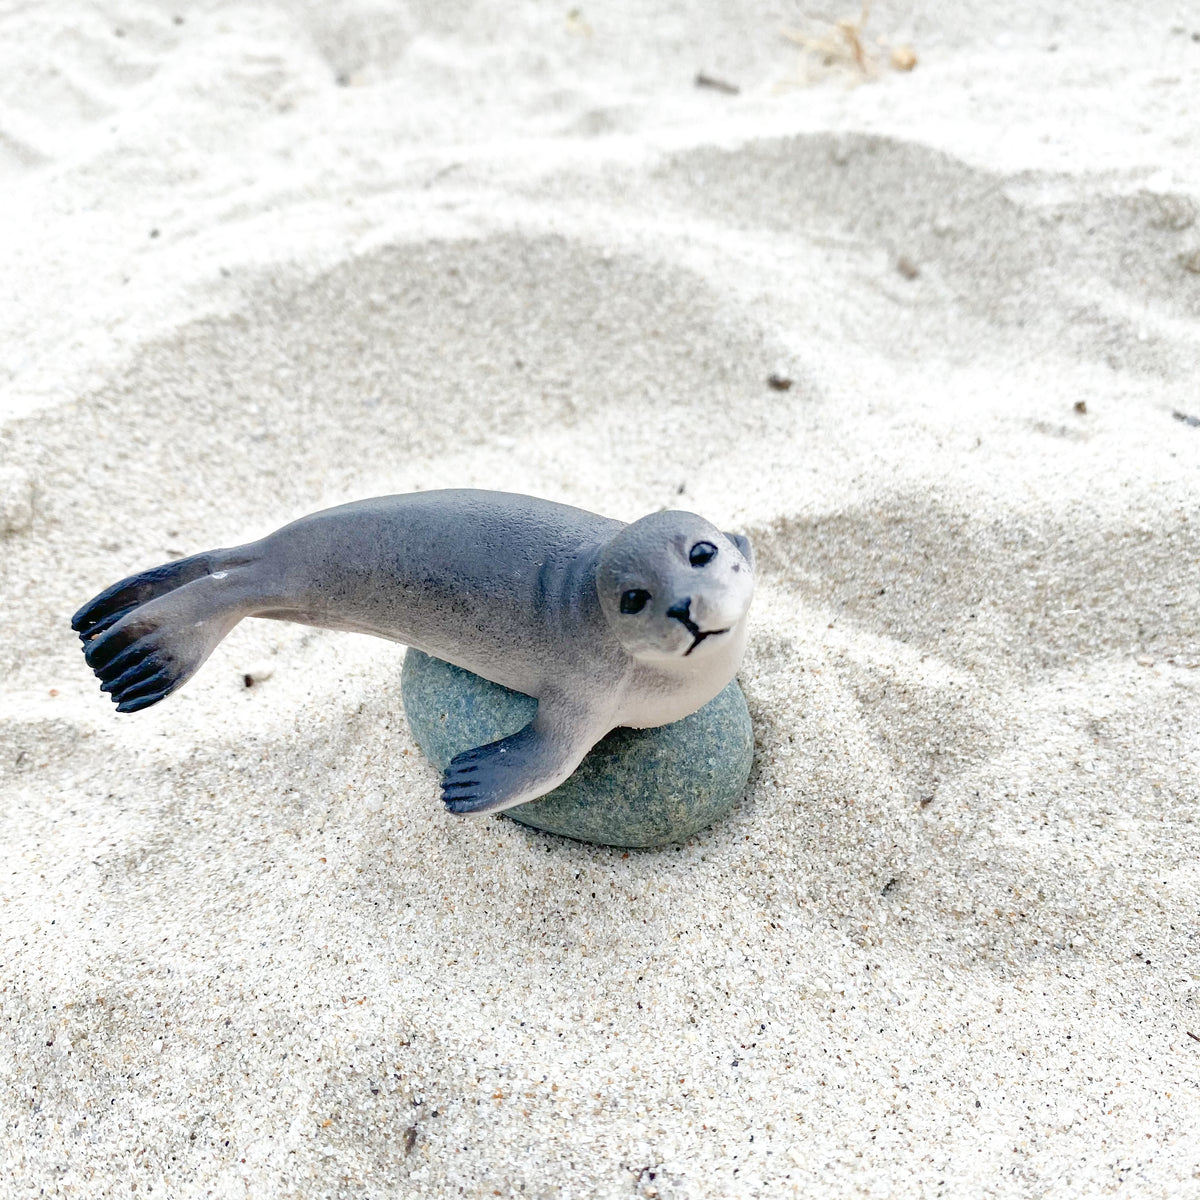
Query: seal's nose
[[681, 609]]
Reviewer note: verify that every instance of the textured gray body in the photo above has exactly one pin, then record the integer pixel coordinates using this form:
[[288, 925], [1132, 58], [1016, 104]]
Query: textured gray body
[[505, 590], [524, 592]]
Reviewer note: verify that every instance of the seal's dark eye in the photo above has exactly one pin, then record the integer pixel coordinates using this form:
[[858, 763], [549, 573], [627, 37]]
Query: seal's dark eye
[[702, 553], [634, 600]]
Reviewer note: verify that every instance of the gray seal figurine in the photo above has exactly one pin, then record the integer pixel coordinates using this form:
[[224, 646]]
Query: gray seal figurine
[[606, 624]]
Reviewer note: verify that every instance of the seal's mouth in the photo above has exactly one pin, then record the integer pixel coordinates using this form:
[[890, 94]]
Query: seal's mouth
[[699, 635], [682, 613]]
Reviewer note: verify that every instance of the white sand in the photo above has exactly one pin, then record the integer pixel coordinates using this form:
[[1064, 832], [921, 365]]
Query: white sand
[[949, 943]]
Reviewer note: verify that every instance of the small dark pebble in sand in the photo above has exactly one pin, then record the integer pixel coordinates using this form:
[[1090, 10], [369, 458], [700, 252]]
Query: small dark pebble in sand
[[1186, 418], [907, 267], [154, 233], [1081, 407], [779, 383]]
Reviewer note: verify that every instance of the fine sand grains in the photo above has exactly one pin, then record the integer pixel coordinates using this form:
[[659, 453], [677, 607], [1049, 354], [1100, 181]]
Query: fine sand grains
[[260, 259]]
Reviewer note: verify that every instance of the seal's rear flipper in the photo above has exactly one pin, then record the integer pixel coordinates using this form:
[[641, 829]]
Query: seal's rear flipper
[[503, 774], [114, 602], [147, 635]]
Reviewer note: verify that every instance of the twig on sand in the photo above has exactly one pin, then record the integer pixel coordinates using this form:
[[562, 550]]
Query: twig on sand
[[843, 45], [717, 85]]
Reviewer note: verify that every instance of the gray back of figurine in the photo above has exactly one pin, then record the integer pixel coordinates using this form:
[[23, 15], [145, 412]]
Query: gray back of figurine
[[495, 583]]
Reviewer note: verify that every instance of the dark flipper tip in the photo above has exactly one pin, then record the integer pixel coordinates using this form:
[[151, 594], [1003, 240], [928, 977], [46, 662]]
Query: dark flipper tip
[[140, 702], [489, 778]]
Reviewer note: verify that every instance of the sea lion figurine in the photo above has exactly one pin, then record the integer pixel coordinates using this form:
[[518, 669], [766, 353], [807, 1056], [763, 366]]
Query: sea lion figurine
[[606, 624]]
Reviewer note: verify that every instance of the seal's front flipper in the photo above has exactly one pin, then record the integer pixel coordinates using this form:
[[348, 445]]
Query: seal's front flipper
[[528, 764]]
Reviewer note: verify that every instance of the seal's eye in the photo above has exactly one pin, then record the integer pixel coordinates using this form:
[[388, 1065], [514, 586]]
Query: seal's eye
[[702, 553], [634, 600]]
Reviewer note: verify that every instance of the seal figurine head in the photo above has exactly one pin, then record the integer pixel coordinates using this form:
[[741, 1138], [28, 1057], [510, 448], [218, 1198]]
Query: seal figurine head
[[674, 586]]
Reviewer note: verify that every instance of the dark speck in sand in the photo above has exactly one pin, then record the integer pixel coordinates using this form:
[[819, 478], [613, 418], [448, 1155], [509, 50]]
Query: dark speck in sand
[[716, 85]]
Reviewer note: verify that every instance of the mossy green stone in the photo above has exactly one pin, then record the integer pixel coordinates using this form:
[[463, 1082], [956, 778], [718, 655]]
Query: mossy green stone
[[637, 787]]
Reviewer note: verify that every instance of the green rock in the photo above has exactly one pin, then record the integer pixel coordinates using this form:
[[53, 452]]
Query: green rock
[[637, 787]]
